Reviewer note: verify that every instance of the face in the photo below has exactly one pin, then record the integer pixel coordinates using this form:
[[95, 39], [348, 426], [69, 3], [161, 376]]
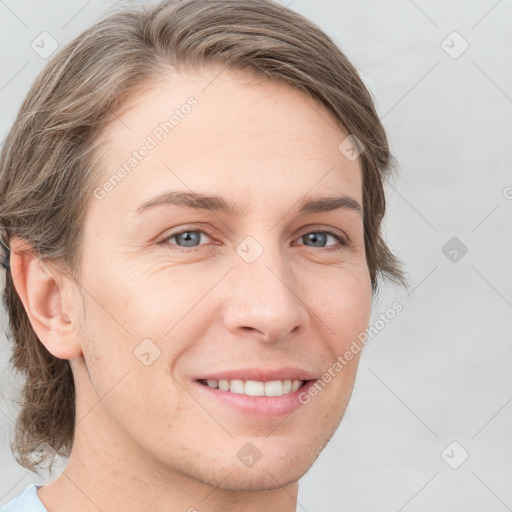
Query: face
[[185, 290]]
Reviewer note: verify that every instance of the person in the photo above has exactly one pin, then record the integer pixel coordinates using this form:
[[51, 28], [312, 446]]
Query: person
[[192, 197]]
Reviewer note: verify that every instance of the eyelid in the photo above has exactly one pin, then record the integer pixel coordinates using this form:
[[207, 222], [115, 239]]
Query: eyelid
[[323, 228]]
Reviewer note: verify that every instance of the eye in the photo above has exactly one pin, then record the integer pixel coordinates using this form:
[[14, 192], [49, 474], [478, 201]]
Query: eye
[[188, 239], [313, 236]]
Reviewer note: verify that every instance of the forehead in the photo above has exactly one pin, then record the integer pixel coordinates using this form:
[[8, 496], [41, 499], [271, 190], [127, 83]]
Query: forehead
[[208, 130]]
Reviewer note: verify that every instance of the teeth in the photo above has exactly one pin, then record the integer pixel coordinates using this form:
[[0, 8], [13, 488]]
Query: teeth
[[236, 386], [253, 388], [224, 385], [256, 388], [295, 385], [274, 388]]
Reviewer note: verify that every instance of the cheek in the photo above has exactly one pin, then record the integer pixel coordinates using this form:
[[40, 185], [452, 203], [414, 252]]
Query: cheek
[[343, 303], [130, 375], [136, 302]]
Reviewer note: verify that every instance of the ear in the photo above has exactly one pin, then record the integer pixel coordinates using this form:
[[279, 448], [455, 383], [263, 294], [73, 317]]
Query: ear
[[41, 293]]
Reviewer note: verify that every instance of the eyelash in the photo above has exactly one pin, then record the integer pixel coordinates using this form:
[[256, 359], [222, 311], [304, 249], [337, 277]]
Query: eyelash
[[342, 242]]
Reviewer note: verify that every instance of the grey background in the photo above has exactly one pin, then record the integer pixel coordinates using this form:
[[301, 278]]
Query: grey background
[[440, 372]]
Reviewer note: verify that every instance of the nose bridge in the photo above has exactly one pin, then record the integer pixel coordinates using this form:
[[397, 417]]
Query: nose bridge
[[264, 291]]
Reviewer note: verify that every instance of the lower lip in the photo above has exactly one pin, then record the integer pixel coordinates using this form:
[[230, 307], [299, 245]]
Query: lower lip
[[261, 406]]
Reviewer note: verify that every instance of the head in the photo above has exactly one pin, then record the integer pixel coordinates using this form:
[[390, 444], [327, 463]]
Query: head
[[132, 302]]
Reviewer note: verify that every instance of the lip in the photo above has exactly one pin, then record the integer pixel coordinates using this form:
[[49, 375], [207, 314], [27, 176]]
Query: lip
[[264, 407], [259, 374]]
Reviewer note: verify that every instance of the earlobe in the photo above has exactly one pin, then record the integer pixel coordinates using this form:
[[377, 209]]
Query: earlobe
[[42, 296]]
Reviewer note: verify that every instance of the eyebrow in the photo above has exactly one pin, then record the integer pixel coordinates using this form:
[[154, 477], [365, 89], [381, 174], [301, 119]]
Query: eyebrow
[[214, 203]]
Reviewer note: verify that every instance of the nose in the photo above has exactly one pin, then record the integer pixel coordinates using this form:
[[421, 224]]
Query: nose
[[263, 299]]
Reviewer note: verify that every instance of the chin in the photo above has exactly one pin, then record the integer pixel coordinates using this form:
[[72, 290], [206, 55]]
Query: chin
[[261, 479]]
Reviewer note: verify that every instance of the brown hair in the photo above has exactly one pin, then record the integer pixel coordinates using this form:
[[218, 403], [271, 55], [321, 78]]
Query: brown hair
[[47, 162]]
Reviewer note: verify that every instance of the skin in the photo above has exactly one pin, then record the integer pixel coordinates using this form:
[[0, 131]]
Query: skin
[[144, 436]]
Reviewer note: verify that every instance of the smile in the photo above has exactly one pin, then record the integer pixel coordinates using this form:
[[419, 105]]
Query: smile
[[264, 400], [254, 387]]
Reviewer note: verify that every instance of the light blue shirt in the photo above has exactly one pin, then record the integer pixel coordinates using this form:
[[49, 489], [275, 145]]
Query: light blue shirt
[[27, 501]]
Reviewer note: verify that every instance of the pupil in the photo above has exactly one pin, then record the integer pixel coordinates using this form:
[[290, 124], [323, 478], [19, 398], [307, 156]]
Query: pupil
[[315, 238], [189, 237]]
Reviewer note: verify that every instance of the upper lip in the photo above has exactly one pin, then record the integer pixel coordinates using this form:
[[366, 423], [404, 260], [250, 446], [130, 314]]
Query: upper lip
[[260, 374]]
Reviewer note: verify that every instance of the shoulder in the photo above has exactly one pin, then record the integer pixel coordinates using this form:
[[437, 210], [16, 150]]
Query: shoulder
[[27, 501]]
